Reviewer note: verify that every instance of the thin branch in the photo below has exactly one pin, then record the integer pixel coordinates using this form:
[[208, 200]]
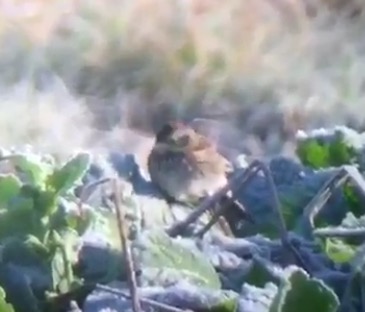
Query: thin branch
[[345, 304], [237, 182], [282, 226], [215, 218], [239, 179], [87, 191], [323, 195], [342, 175], [360, 233], [150, 302], [126, 250]]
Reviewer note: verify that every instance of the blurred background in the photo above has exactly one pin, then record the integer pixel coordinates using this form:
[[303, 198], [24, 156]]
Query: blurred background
[[106, 73]]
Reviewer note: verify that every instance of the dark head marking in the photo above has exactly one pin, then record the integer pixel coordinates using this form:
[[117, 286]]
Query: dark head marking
[[167, 130]]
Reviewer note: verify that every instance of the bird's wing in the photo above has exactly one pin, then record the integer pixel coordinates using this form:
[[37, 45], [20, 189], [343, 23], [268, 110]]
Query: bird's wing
[[205, 153]]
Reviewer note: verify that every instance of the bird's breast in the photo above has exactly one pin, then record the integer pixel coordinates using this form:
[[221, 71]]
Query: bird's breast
[[182, 179]]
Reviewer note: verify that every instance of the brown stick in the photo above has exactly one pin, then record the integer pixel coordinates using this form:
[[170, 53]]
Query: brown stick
[[238, 180], [150, 302], [125, 248]]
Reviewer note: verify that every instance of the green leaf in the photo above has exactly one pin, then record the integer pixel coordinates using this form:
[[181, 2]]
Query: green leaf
[[65, 178], [347, 230], [335, 148], [9, 188], [65, 246], [227, 305], [19, 220], [45, 203], [299, 292], [340, 153], [358, 261], [258, 275], [70, 240], [62, 276], [338, 251], [32, 166], [4, 306], [165, 258], [25, 250], [81, 223], [34, 244], [353, 199], [313, 154]]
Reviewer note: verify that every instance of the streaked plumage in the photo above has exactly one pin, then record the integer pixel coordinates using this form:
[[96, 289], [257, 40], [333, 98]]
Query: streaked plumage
[[186, 165]]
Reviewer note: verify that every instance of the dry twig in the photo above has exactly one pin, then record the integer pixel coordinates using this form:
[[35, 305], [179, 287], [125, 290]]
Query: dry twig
[[150, 302], [238, 181], [125, 248], [87, 191]]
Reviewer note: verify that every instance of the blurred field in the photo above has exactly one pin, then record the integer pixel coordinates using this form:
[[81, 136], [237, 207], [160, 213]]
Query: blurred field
[[69, 68]]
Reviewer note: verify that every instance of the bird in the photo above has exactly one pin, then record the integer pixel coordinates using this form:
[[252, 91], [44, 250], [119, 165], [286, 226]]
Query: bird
[[186, 166]]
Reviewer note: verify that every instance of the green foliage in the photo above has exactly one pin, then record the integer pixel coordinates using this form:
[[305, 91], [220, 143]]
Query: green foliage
[[338, 251], [298, 292], [32, 167], [33, 226], [344, 248], [61, 180], [352, 199], [312, 154], [163, 257], [258, 275], [4, 306], [9, 187], [227, 305], [316, 154], [63, 255]]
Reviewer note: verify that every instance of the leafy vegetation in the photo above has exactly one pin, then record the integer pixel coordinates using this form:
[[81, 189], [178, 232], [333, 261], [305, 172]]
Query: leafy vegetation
[[297, 288], [34, 226], [168, 59], [42, 232], [165, 260]]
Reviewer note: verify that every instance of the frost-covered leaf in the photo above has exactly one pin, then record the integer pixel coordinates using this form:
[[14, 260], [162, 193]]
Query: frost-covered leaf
[[358, 260], [187, 296], [165, 260], [351, 222], [350, 231], [182, 295], [64, 178], [259, 274], [255, 299], [299, 292]]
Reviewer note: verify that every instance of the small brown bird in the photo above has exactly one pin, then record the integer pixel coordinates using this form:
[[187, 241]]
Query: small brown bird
[[187, 167]]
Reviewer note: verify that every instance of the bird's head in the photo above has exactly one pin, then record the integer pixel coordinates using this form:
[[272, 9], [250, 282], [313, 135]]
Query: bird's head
[[174, 136]]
